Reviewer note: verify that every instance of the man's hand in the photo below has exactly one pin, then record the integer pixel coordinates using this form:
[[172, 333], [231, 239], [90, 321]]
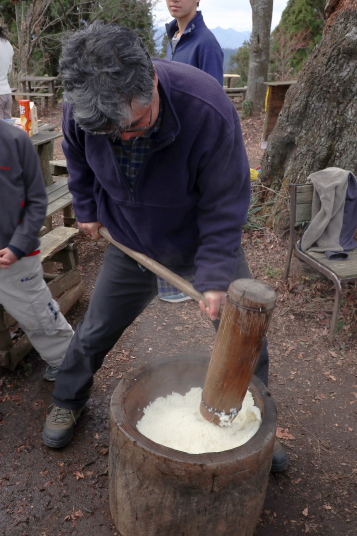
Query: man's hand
[[91, 228], [7, 257], [216, 299]]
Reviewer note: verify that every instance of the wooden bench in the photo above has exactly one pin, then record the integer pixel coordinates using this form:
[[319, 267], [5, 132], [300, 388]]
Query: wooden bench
[[66, 288], [35, 95], [237, 95], [59, 167], [339, 271], [59, 199]]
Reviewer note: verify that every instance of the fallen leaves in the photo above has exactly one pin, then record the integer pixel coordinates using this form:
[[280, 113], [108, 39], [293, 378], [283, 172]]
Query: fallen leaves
[[74, 515], [283, 433]]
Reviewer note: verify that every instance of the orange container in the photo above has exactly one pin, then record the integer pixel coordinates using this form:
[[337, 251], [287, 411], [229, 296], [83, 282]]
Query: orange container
[[25, 115]]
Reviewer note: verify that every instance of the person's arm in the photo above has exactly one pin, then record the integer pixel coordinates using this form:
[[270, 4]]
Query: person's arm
[[10, 62], [81, 177], [223, 182], [211, 62], [25, 237]]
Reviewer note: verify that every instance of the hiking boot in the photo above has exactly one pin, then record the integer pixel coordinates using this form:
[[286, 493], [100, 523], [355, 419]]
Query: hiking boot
[[280, 459], [50, 373], [59, 426]]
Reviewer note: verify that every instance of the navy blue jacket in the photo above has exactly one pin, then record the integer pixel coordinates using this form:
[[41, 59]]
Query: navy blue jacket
[[191, 195], [197, 46]]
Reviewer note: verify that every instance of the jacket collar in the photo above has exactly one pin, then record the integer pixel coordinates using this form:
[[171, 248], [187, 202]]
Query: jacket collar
[[196, 22]]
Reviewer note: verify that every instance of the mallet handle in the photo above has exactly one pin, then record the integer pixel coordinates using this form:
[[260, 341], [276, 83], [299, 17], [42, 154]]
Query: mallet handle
[[155, 267]]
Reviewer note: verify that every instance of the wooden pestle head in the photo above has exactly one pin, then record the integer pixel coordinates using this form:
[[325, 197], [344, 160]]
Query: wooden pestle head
[[244, 323]]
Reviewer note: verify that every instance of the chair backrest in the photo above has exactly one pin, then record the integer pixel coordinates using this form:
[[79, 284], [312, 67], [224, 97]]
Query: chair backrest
[[301, 200]]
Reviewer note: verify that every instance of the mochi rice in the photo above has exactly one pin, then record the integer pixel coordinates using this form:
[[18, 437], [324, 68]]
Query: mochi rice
[[175, 421]]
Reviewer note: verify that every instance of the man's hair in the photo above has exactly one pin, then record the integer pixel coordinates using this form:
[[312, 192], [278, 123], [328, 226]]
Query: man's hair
[[103, 69]]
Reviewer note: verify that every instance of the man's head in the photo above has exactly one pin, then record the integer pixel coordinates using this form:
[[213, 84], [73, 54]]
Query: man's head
[[182, 9], [108, 76]]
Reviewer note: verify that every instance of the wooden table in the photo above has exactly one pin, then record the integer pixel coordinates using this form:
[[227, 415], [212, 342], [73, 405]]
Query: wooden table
[[43, 141], [49, 81], [274, 101], [230, 78]]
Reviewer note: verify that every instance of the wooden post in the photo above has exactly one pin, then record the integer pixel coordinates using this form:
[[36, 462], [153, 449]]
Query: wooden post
[[239, 340]]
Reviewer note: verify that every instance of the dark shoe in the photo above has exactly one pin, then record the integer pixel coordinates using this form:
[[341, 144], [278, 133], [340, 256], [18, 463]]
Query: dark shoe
[[50, 373], [280, 459], [59, 426]]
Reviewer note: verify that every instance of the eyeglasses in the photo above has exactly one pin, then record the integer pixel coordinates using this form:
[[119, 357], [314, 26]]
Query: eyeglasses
[[128, 128]]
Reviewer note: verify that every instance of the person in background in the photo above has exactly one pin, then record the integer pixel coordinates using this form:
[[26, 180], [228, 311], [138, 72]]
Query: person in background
[[191, 42], [23, 291], [155, 153], [6, 54]]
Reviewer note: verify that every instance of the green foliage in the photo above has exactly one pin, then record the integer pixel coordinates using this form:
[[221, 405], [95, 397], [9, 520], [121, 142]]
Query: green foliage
[[247, 108], [36, 27], [162, 48], [239, 63], [299, 18], [256, 220]]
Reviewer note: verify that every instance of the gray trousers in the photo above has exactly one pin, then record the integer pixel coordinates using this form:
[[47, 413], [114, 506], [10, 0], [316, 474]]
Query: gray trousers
[[5, 106], [25, 296], [122, 291]]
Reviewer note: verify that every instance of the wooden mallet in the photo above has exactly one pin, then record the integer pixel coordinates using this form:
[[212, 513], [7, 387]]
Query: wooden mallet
[[243, 326]]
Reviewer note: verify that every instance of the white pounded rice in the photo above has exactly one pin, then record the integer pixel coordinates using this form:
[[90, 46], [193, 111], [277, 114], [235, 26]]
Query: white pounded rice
[[175, 421]]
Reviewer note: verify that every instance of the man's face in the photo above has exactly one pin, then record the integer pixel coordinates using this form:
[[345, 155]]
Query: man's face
[[141, 117], [182, 9]]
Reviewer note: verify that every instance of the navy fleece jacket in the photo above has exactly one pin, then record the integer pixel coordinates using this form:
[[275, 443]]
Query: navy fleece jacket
[[197, 47], [191, 194]]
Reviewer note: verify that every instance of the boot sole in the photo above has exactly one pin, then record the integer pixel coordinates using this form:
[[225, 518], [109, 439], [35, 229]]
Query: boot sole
[[279, 467], [59, 443]]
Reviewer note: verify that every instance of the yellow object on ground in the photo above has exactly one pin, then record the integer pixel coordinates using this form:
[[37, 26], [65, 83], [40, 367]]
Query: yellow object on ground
[[253, 174]]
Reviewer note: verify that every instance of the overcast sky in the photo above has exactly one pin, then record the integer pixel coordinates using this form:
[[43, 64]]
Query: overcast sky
[[235, 14]]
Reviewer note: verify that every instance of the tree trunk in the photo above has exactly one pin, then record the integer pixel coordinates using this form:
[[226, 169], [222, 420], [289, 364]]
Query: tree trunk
[[316, 127], [262, 11]]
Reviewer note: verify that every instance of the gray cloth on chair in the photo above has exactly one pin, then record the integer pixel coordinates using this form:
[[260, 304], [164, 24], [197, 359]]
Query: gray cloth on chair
[[327, 211]]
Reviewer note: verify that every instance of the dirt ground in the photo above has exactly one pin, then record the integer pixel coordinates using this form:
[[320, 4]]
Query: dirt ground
[[46, 492]]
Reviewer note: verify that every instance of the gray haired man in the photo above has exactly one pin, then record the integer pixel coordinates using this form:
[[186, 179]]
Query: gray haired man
[[155, 153]]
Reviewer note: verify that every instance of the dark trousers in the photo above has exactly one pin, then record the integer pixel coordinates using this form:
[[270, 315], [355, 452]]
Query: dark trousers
[[122, 291]]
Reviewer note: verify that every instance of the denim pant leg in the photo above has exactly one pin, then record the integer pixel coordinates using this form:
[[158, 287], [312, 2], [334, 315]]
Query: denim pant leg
[[121, 293], [262, 366]]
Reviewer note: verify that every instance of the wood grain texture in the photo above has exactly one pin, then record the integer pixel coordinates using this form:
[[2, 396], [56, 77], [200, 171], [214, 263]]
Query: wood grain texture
[[239, 340]]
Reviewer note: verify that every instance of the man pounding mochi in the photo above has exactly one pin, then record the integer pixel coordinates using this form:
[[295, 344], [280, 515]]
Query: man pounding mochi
[[155, 153]]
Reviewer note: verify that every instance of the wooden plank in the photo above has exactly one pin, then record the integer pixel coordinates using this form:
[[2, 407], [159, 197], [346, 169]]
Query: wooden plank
[[59, 167], [303, 193], [59, 204], [45, 136], [57, 193], [31, 94], [55, 241], [345, 269], [303, 213], [63, 282], [56, 185], [233, 90]]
